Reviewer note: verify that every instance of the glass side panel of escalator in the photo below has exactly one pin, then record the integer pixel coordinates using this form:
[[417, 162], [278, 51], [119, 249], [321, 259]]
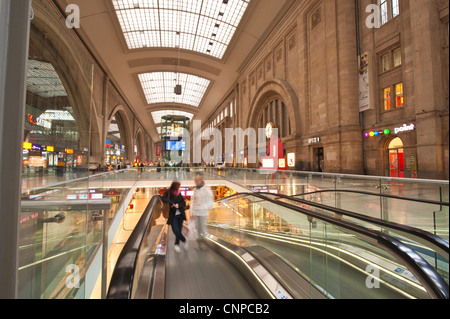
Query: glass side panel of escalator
[[337, 262], [429, 252]]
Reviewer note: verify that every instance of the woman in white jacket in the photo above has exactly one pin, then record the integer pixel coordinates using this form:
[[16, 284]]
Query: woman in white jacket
[[201, 203]]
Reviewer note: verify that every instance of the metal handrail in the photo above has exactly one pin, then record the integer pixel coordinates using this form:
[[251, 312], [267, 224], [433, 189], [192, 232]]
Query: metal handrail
[[367, 177], [424, 201], [76, 204], [121, 284], [438, 243]]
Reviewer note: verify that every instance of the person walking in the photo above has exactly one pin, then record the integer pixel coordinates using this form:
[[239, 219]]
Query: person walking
[[201, 203], [177, 214]]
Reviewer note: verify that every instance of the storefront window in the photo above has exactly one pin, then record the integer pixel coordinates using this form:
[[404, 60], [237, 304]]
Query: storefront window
[[396, 158]]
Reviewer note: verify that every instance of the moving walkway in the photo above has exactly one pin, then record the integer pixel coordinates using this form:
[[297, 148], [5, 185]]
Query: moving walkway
[[261, 246]]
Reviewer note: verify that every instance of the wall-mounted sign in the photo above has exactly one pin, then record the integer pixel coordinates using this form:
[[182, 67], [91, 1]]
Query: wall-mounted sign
[[39, 121], [282, 163], [260, 188], [36, 147], [404, 128], [50, 149], [158, 150], [291, 159], [377, 133], [365, 74], [27, 146], [69, 151], [268, 163], [314, 140]]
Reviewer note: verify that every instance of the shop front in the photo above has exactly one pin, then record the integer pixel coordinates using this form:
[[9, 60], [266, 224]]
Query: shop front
[[397, 146]]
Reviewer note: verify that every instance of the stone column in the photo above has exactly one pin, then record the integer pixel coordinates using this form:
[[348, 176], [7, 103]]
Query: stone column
[[428, 86], [350, 138]]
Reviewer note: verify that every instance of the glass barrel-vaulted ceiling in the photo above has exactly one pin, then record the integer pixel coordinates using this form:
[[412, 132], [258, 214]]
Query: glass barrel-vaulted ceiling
[[43, 80], [159, 87], [157, 115], [205, 26]]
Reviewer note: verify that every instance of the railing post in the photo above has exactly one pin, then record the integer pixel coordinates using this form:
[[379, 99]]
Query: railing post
[[104, 254], [14, 39]]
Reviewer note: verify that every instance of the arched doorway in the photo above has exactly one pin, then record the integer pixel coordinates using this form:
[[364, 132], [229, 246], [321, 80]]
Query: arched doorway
[[116, 145], [139, 151], [276, 113], [396, 158]]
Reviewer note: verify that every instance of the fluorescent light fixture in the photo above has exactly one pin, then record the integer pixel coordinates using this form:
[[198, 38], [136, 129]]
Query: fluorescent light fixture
[[158, 88], [157, 115], [205, 26]]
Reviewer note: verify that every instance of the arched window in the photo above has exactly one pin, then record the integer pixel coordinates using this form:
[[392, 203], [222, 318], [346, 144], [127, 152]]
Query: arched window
[[275, 112]]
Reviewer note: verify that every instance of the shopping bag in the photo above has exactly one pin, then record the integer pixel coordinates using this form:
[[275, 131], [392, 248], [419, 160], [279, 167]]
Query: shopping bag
[[192, 231]]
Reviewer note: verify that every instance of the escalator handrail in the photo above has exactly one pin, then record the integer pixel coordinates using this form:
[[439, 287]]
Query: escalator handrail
[[121, 285], [436, 287], [424, 201], [438, 243]]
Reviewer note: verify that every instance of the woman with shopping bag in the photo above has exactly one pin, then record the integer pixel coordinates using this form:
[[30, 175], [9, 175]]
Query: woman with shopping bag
[[177, 214]]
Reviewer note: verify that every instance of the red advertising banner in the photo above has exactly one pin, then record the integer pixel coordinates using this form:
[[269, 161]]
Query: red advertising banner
[[158, 150]]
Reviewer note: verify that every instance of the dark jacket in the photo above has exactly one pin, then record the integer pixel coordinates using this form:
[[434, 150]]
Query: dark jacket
[[176, 200]]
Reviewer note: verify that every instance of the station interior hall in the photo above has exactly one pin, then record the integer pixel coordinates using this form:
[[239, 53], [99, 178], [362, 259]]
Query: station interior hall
[[224, 149]]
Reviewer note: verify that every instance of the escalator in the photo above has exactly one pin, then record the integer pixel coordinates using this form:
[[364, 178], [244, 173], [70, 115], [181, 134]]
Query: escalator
[[263, 247], [433, 248]]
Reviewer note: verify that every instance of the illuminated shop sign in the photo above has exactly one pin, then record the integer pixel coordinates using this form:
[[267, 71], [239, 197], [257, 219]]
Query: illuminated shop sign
[[291, 159], [377, 133], [36, 147], [268, 163], [39, 121], [402, 129]]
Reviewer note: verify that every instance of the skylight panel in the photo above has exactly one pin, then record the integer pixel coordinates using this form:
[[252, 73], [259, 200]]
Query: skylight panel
[[205, 26], [159, 87], [157, 115], [43, 80], [57, 115]]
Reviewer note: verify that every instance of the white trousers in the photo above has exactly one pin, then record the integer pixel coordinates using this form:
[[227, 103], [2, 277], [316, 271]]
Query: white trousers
[[200, 224]]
